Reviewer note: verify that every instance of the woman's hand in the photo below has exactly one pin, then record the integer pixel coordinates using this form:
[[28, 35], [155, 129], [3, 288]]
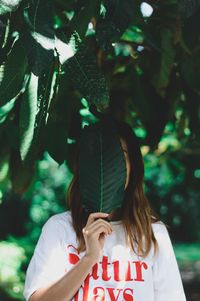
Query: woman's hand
[[94, 234]]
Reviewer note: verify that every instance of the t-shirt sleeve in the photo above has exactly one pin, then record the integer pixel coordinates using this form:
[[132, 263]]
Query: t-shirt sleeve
[[166, 276], [43, 269]]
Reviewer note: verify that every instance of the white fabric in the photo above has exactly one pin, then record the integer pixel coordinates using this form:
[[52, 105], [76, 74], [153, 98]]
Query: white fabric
[[119, 275]]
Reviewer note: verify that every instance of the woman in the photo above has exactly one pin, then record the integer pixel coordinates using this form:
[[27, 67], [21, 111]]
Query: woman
[[124, 255]]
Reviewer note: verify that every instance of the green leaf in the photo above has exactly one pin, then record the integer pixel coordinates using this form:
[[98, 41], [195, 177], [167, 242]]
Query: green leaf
[[66, 44], [190, 34], [188, 8], [4, 160], [3, 28], [39, 17], [61, 113], [45, 91], [190, 67], [39, 35], [55, 140], [8, 6], [34, 113], [161, 76], [12, 73], [133, 34], [117, 17], [21, 174], [146, 102], [102, 185], [10, 27], [28, 111], [39, 57], [192, 106], [82, 18], [5, 110], [8, 107], [87, 77]]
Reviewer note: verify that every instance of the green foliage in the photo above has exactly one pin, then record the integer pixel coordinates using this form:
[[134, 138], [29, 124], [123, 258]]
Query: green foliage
[[11, 277], [12, 73], [20, 228], [116, 16], [5, 110], [100, 154], [82, 67], [8, 6], [171, 182], [142, 67], [58, 59], [187, 253]]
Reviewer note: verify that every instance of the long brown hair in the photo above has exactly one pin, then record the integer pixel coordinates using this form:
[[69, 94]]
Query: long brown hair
[[135, 214]]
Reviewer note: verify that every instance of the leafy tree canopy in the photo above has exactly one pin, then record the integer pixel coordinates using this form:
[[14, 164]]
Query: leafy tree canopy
[[59, 58]]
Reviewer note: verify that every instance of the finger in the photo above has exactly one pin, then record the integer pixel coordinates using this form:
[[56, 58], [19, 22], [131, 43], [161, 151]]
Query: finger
[[99, 222], [95, 215], [95, 225], [96, 231], [96, 228], [99, 230]]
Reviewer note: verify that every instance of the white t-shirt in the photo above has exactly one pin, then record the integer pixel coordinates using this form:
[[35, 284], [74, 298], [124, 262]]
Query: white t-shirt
[[119, 275]]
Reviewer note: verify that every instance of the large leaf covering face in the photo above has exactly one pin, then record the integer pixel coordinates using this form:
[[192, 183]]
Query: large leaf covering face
[[102, 168]]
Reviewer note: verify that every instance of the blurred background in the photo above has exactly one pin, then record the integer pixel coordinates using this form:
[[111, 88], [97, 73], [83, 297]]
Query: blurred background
[[61, 63]]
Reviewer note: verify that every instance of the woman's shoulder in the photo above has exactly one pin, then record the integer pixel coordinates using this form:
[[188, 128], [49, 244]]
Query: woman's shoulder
[[61, 217], [159, 226], [60, 221]]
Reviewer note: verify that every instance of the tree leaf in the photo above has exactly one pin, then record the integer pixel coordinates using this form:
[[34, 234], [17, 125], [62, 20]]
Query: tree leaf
[[12, 73], [161, 77], [117, 16], [8, 107], [66, 44], [8, 6], [38, 33], [192, 107], [3, 27], [10, 27], [34, 113], [133, 34], [102, 168], [82, 18], [21, 174], [188, 8], [135, 86], [87, 77], [39, 17], [5, 110], [61, 112], [28, 112], [190, 34], [190, 66]]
